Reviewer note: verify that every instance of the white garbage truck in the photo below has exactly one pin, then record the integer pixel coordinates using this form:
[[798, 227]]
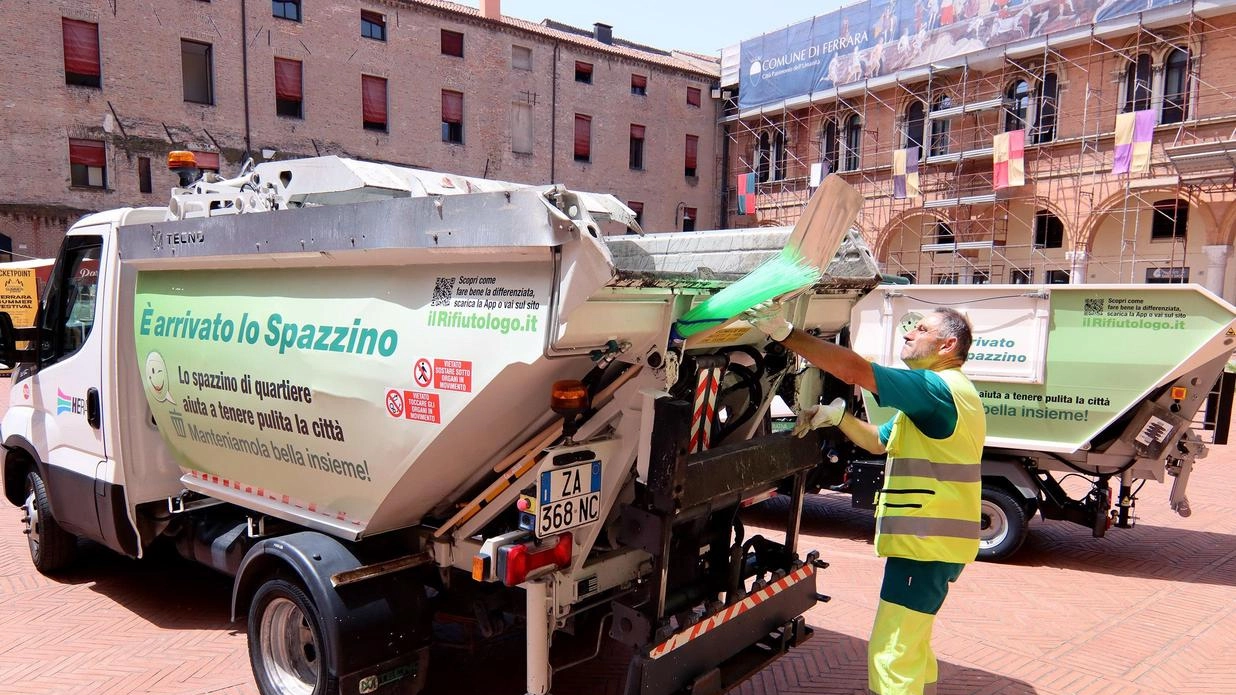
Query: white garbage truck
[[1084, 387], [377, 396]]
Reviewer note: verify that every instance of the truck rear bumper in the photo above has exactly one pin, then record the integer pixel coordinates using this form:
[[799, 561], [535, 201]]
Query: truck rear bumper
[[721, 651]]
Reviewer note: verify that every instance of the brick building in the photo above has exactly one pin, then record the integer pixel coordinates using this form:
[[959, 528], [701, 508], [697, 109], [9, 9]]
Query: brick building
[[89, 120], [936, 91]]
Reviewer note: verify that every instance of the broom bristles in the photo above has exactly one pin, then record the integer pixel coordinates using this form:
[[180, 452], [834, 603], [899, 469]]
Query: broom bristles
[[785, 272]]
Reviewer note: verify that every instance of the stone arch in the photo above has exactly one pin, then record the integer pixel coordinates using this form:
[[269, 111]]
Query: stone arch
[[881, 246], [1089, 228]]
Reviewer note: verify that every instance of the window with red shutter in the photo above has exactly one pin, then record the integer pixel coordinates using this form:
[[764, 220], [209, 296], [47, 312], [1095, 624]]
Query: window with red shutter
[[81, 53], [452, 116], [689, 216], [693, 96], [693, 143], [637, 207], [373, 102], [636, 157], [452, 43], [583, 72], [583, 138], [289, 97], [639, 85], [87, 163]]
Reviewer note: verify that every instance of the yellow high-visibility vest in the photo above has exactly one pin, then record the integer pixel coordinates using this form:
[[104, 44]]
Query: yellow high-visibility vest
[[930, 505]]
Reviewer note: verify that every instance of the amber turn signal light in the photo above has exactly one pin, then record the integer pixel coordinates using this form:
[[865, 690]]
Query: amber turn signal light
[[568, 396], [181, 159]]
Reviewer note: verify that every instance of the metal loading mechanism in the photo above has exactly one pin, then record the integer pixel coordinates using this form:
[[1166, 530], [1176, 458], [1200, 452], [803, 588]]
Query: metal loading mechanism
[[718, 605]]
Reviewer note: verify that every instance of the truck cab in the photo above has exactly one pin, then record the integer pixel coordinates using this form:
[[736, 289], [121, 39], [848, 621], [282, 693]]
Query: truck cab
[[61, 459]]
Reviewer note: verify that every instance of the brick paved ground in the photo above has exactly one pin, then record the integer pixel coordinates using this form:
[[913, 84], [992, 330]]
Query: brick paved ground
[[1147, 611]]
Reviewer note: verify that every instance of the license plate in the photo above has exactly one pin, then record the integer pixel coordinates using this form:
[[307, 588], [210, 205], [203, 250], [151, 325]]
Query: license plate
[[568, 497]]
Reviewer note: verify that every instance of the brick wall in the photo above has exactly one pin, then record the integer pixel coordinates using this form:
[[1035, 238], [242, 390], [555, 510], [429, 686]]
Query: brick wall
[[140, 111]]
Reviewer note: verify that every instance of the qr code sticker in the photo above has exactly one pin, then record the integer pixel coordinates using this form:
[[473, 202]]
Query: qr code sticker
[[1094, 307], [443, 289]]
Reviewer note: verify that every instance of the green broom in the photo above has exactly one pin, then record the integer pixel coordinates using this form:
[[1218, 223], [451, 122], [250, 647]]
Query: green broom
[[784, 273], [831, 211]]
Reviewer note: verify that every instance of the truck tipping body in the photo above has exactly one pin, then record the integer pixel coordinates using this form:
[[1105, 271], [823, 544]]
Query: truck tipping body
[[359, 378]]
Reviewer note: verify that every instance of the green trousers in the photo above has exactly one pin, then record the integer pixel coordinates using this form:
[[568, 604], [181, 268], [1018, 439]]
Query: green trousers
[[899, 656]]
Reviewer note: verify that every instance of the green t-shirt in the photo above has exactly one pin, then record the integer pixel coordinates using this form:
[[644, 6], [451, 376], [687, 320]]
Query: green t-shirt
[[919, 393]]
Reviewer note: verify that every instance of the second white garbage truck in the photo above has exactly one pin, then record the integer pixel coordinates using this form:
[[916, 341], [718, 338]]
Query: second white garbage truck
[[1100, 384]]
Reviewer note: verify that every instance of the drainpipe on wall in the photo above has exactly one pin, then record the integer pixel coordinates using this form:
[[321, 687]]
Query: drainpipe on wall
[[244, 72], [725, 177], [553, 119]]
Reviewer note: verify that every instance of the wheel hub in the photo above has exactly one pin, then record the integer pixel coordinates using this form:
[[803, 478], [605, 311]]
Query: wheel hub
[[994, 526], [31, 522], [291, 655]]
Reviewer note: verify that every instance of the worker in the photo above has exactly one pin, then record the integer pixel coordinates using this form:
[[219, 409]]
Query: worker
[[927, 514]]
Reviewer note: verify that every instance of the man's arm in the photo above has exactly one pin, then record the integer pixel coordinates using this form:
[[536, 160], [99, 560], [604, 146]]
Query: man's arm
[[843, 363], [864, 434]]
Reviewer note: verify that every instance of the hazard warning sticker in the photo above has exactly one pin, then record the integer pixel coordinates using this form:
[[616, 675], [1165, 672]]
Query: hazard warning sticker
[[394, 403], [414, 405], [423, 373], [726, 335], [422, 407], [452, 375]]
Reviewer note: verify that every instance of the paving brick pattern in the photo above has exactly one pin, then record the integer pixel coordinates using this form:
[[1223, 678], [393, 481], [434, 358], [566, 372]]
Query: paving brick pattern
[[1146, 611]]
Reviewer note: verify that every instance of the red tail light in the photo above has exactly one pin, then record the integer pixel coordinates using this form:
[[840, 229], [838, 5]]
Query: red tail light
[[516, 562]]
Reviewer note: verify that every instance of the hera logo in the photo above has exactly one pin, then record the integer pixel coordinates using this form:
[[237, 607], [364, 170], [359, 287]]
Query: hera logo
[[69, 404]]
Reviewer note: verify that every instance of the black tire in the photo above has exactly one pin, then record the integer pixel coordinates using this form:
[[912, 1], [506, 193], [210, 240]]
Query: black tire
[[287, 649], [1004, 525], [51, 547]]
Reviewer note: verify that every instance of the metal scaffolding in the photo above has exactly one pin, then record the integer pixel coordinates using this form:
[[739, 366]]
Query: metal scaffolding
[[1073, 215]]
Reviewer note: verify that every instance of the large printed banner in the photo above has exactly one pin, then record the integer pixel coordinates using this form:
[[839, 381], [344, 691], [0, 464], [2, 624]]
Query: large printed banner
[[880, 37]]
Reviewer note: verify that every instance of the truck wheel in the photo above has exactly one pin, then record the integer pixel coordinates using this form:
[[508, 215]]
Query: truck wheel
[[51, 547], [286, 648], [1004, 525]]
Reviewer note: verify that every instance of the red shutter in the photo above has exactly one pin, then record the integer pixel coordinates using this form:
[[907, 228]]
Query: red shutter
[[637, 132], [639, 82], [207, 160], [583, 136], [88, 152], [373, 92], [693, 142], [636, 207], [583, 68], [452, 43], [287, 79], [452, 106], [81, 47], [693, 96]]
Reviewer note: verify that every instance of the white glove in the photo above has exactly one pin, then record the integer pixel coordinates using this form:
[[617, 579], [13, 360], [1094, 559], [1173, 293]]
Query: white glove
[[820, 416], [766, 316]]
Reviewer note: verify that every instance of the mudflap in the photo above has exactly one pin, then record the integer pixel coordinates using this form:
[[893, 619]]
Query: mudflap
[[721, 651]]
